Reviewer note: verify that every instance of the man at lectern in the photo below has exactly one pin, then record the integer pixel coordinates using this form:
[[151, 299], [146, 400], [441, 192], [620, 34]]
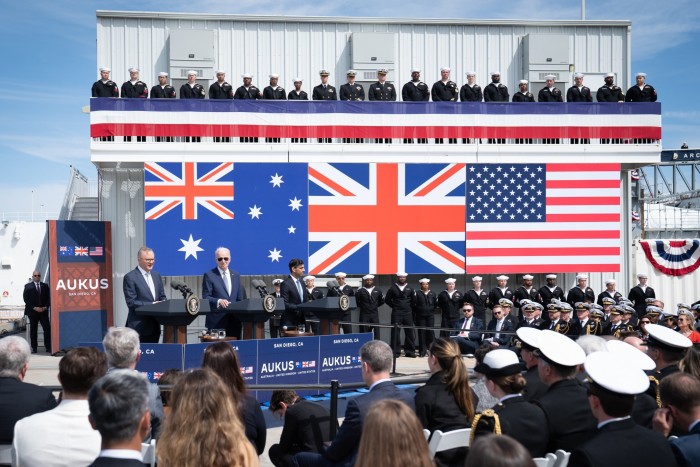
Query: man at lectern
[[222, 286], [293, 294], [143, 286]]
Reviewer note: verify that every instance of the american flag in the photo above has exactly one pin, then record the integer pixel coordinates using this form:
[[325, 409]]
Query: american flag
[[542, 218], [96, 251], [309, 364], [81, 251], [382, 218]]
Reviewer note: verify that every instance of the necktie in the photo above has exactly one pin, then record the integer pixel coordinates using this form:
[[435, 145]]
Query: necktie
[[301, 293], [227, 281], [499, 324], [38, 290], [151, 286]]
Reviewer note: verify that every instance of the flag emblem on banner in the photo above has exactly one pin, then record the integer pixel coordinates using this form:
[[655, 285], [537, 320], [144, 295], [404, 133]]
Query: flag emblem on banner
[[246, 370], [65, 250], [81, 251], [96, 251], [309, 364]]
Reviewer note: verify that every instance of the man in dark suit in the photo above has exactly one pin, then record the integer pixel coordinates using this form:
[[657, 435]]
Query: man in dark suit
[[36, 307], [306, 426], [376, 367], [680, 398], [17, 398], [143, 286], [221, 286], [119, 411], [467, 336], [499, 323], [292, 291], [618, 439]]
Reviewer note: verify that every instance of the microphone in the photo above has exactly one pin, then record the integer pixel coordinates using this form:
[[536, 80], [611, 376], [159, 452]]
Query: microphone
[[181, 286], [333, 285], [261, 286]]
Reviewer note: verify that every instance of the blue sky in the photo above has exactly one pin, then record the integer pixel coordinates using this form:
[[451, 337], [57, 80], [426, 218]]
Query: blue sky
[[49, 66]]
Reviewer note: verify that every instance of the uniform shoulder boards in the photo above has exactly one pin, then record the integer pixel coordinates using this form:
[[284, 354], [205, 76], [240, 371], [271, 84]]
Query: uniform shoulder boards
[[489, 419]]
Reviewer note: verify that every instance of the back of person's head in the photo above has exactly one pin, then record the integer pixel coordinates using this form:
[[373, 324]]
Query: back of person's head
[[591, 343], [612, 403], [223, 360], [392, 436], [118, 403], [203, 427], [288, 396], [481, 352], [80, 368], [377, 355], [690, 363], [449, 357], [681, 390], [498, 451], [122, 347], [14, 356], [169, 378]]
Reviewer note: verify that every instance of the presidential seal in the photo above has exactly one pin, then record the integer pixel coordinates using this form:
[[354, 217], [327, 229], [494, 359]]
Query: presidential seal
[[192, 304], [269, 303], [344, 302]]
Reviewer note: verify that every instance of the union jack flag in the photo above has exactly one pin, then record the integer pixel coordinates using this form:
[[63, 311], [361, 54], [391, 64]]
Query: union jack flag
[[383, 218], [81, 251], [170, 186], [309, 364]]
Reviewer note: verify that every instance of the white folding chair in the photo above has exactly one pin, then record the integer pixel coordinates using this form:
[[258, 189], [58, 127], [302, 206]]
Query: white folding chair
[[546, 461], [5, 454], [562, 458], [148, 452], [426, 433], [449, 440]]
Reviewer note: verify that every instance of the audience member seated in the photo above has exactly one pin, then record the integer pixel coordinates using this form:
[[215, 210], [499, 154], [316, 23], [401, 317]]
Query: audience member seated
[[527, 340], [204, 427], [467, 335], [306, 426], [17, 398], [513, 415], [680, 396], [119, 411], [498, 451], [486, 400], [446, 402], [377, 358], [223, 360], [168, 378], [123, 350], [393, 437], [63, 436]]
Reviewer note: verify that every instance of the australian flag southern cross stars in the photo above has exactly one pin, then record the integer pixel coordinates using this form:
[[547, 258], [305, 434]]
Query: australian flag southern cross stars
[[258, 211]]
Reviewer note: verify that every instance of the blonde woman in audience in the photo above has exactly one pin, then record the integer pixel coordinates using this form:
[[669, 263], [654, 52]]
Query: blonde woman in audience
[[203, 427], [392, 436], [686, 318]]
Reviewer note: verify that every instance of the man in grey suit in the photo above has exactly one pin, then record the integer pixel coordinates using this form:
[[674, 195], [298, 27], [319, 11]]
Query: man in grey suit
[[143, 286], [221, 286]]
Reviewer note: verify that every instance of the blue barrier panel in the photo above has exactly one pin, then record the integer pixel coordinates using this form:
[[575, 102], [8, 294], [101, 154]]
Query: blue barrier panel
[[247, 356], [339, 357], [155, 358], [292, 360]]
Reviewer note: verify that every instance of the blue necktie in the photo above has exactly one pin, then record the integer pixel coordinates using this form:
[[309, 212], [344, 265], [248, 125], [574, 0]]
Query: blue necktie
[[301, 294]]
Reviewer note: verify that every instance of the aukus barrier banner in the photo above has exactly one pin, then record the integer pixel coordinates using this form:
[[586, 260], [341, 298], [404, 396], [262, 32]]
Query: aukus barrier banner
[[289, 361], [80, 261]]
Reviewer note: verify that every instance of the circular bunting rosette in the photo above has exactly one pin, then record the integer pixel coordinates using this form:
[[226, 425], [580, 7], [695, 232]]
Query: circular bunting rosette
[[673, 257]]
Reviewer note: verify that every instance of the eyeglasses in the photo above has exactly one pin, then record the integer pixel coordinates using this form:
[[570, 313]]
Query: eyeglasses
[[645, 322], [497, 312], [670, 319], [467, 309], [222, 259], [36, 275]]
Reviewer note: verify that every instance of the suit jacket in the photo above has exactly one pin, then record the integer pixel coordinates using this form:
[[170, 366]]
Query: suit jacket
[[254, 422], [623, 442], [137, 293], [19, 400], [535, 387], [343, 449], [436, 407], [306, 427], [115, 462], [214, 288], [291, 297], [503, 339], [32, 299], [687, 448], [475, 325]]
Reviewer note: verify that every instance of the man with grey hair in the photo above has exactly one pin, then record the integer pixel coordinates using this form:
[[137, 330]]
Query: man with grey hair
[[222, 286], [143, 286], [119, 411], [17, 398], [377, 358], [123, 353]]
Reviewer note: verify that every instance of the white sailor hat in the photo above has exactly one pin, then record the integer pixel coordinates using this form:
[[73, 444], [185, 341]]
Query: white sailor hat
[[323, 72], [401, 274], [477, 278], [610, 75], [607, 373], [529, 336], [523, 81], [628, 355], [382, 71], [550, 276], [162, 73], [220, 72], [666, 338], [424, 281], [505, 302], [495, 73], [274, 76], [502, 278], [471, 73], [578, 75], [191, 72], [499, 362], [528, 277], [550, 77], [277, 281], [297, 80], [415, 70], [133, 69], [643, 75], [559, 349], [247, 76], [445, 68], [582, 276], [340, 274], [104, 68], [642, 274], [609, 281], [367, 276], [351, 73], [309, 278], [450, 280]]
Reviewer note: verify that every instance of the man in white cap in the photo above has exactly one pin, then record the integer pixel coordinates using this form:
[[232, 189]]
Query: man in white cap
[[314, 292], [525, 292], [369, 298], [471, 92], [641, 91], [343, 289], [297, 94], [274, 91], [192, 89], [424, 304], [163, 90], [248, 91], [415, 91], [618, 440], [523, 95], [609, 292], [580, 293], [445, 90], [399, 297], [569, 418], [531, 314], [680, 399], [610, 92], [639, 293], [500, 291], [220, 89], [666, 347], [477, 297], [578, 92], [382, 90], [324, 91], [527, 339], [449, 301], [105, 87], [351, 91], [134, 88], [496, 91], [550, 291], [550, 93]]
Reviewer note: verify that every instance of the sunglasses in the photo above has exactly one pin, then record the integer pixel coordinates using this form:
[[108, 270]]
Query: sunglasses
[[36, 275], [497, 312], [645, 322], [467, 309], [222, 259]]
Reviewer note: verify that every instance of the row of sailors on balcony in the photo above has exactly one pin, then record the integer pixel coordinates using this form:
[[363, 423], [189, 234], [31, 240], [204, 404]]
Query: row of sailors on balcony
[[382, 90]]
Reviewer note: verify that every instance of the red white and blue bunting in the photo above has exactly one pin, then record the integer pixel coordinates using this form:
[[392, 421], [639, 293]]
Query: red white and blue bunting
[[673, 257]]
